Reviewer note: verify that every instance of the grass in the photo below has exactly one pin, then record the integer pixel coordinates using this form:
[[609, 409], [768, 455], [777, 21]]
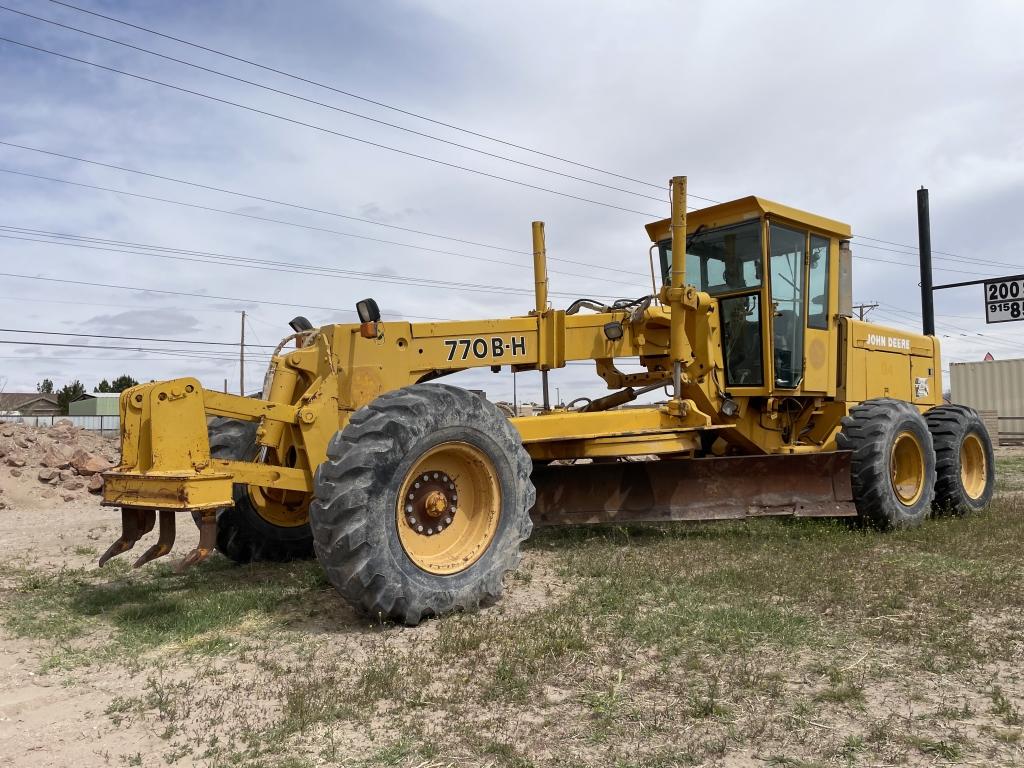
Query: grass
[[660, 645], [201, 612]]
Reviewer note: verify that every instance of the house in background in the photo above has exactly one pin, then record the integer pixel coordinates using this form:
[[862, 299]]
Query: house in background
[[95, 404], [29, 404]]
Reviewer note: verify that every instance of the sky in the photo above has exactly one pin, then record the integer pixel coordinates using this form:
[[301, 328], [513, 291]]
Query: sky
[[840, 109]]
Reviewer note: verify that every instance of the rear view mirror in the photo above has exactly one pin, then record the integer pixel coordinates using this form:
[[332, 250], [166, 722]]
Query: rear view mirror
[[368, 311]]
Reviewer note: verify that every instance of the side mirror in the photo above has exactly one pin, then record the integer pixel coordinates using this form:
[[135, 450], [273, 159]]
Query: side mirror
[[369, 316], [368, 311], [300, 324]]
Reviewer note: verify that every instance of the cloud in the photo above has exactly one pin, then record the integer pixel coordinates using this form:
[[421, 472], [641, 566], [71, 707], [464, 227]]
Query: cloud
[[165, 322], [846, 124]]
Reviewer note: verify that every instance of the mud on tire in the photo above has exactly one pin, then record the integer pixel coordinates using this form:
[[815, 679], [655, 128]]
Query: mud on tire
[[882, 433], [354, 512], [964, 462], [242, 534]]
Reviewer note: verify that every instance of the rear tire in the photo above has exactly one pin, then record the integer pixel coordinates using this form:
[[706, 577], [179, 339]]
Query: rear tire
[[892, 469], [964, 462], [242, 534], [371, 518]]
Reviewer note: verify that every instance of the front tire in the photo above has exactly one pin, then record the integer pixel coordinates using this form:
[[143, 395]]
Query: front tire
[[892, 469], [243, 534], [423, 503], [965, 465]]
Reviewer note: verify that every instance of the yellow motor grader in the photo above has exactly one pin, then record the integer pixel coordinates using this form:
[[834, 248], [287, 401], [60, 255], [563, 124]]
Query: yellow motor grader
[[416, 495]]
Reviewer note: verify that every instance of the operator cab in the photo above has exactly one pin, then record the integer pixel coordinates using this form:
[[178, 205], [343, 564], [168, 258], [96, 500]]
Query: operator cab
[[774, 272]]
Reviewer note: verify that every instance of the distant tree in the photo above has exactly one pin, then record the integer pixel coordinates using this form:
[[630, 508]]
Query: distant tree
[[120, 384], [45, 387], [68, 394]]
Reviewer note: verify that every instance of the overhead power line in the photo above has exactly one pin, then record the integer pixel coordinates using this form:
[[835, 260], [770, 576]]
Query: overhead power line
[[242, 262], [951, 258], [376, 144], [948, 325], [149, 357], [18, 342], [399, 110], [905, 245], [298, 206], [332, 107], [307, 208], [324, 129], [131, 338], [364, 99], [208, 296], [915, 266], [285, 222]]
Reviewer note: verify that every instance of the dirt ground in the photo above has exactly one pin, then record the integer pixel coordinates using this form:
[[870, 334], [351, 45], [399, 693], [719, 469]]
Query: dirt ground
[[748, 644]]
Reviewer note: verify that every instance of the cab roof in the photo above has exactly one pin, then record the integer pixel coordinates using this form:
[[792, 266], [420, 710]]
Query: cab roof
[[745, 209]]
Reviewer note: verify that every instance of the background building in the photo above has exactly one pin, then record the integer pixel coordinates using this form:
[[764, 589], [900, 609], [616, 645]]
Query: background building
[[995, 388], [95, 404], [29, 404]]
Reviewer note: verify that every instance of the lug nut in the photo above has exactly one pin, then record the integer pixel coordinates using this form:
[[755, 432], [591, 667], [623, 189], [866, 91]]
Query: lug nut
[[408, 507], [447, 521], [412, 520], [419, 529]]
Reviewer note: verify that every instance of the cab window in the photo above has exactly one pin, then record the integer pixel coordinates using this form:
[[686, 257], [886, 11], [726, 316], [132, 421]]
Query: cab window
[[786, 249], [741, 341], [718, 261], [817, 283]]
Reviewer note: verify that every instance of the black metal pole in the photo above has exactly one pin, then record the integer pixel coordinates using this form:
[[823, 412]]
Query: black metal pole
[[924, 244]]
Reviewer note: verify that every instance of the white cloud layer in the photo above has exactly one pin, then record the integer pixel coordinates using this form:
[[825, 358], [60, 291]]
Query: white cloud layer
[[842, 109]]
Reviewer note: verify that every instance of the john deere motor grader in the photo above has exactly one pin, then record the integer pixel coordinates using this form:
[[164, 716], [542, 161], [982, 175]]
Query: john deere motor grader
[[416, 495]]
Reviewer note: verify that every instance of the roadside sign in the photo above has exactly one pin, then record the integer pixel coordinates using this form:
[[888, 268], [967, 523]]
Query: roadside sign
[[1004, 299]]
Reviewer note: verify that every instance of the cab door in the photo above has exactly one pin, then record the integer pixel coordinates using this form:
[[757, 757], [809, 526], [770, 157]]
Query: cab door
[[787, 256], [819, 347], [799, 308]]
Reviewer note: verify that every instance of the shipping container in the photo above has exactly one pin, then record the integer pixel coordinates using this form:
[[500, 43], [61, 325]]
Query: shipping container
[[992, 385]]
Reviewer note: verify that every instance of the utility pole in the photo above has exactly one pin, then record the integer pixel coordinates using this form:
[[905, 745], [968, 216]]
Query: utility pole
[[241, 359], [863, 309], [924, 249]]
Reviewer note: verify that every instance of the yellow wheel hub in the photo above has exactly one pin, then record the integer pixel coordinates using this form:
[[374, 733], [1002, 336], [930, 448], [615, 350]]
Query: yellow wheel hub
[[906, 468], [285, 509], [973, 466], [448, 508]]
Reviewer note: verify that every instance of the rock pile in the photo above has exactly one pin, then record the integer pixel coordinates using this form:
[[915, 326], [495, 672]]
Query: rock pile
[[66, 460]]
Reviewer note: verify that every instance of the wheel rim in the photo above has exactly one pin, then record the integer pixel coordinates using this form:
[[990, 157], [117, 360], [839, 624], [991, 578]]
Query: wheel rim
[[449, 507], [973, 466], [906, 467], [285, 509]]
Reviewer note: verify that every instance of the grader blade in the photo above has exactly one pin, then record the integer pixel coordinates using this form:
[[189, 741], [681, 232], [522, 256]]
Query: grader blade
[[135, 523], [800, 485]]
